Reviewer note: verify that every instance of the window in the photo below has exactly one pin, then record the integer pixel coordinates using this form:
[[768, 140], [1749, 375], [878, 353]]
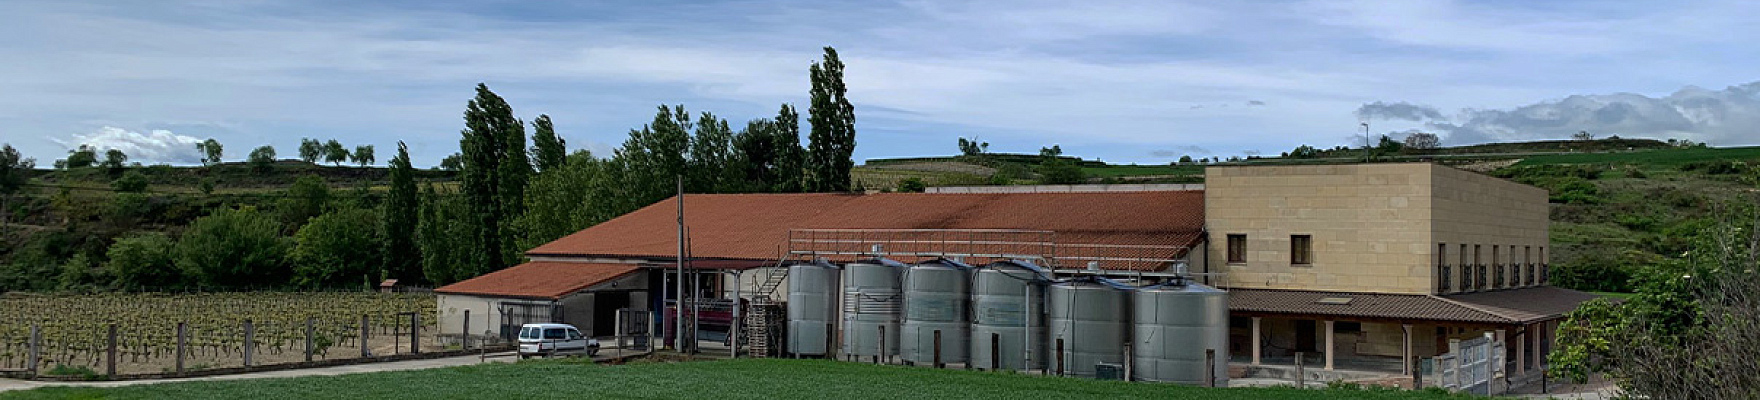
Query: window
[[555, 333], [1463, 255], [1442, 270], [1237, 249], [1301, 249]]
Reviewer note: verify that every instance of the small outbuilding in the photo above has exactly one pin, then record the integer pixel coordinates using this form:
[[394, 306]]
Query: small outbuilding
[[585, 295]]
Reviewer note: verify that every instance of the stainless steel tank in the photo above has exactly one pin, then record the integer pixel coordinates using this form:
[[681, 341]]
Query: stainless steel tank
[[1173, 325], [872, 301], [1008, 315], [936, 297], [1090, 316], [812, 295]]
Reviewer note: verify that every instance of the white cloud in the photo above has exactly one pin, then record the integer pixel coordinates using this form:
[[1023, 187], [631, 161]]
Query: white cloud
[[151, 147], [1722, 117]]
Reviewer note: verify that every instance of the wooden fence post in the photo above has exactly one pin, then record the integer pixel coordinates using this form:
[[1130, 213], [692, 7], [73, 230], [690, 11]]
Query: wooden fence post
[[937, 348], [36, 348], [1209, 367], [308, 339], [1417, 374], [182, 343], [110, 364], [996, 351], [1059, 356], [249, 346], [364, 351], [415, 333], [465, 338], [1301, 374]]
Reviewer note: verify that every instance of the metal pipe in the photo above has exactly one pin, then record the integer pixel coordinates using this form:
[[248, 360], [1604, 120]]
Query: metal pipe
[[678, 316]]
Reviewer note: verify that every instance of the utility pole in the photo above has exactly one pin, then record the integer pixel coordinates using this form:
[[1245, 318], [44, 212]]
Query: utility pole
[[678, 312]]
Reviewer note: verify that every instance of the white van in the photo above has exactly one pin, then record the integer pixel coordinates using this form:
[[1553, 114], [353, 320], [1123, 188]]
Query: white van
[[553, 339]]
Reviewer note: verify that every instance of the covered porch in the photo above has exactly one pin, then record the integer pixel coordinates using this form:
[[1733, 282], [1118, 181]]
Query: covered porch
[[1390, 334]]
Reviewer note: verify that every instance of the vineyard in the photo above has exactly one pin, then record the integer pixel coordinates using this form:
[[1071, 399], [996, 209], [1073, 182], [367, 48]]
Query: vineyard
[[75, 330]]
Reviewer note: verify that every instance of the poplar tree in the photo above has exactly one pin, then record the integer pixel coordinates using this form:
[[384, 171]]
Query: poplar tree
[[494, 174], [790, 164], [833, 136], [712, 156], [548, 150], [403, 260]]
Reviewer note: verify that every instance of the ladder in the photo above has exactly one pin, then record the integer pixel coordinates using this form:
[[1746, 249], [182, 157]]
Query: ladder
[[772, 280]]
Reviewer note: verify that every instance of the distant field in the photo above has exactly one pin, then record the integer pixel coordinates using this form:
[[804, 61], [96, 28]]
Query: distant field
[[737, 379], [1661, 157], [1141, 170]]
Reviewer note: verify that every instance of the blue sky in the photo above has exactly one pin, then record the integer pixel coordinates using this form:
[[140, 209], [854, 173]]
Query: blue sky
[[1121, 81]]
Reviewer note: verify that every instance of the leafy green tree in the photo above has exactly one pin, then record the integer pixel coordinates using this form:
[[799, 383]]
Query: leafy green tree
[[262, 159], [1185, 159], [130, 182], [80, 273], [334, 153], [494, 177], [447, 245], [912, 185], [211, 151], [234, 248], [1054, 169], [566, 199], [791, 158], [363, 155], [402, 210], [548, 150], [833, 137], [711, 166], [452, 162], [84, 156], [972, 147], [206, 185], [114, 159], [1423, 141], [337, 249], [310, 150], [653, 157], [143, 260], [308, 197], [15, 170]]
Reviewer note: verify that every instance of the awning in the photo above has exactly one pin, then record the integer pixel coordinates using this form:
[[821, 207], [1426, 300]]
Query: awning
[[1514, 306], [540, 279]]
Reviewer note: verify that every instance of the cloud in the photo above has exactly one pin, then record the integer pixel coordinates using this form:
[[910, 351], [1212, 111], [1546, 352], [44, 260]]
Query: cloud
[[153, 146], [1728, 116], [1397, 111], [1181, 151]]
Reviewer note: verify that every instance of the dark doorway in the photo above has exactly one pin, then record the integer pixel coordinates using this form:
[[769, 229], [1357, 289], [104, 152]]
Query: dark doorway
[[605, 306], [1305, 335]]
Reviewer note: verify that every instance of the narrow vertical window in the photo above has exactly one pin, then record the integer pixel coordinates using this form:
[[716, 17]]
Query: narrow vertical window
[[1301, 249], [1237, 249]]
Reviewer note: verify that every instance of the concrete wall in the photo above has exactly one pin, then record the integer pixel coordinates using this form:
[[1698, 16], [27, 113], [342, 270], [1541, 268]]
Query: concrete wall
[[1089, 188], [1369, 225], [1497, 217], [1375, 227]]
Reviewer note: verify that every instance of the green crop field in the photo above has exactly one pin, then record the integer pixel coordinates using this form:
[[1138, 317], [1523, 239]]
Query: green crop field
[[1661, 157], [736, 379], [1141, 170]]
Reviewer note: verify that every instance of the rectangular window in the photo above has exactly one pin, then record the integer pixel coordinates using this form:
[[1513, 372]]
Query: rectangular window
[[1237, 249], [1301, 249], [1442, 271], [1463, 254]]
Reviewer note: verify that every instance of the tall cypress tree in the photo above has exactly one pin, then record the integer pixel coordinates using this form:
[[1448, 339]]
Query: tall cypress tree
[[403, 260], [833, 138], [548, 150], [711, 150], [494, 173]]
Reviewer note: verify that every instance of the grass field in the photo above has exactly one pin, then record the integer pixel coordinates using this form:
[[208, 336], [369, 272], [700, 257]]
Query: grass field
[[1662, 157], [738, 379]]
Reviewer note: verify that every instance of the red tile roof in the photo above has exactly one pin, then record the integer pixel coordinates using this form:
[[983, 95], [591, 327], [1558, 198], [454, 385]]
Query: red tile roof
[[1514, 306], [540, 280], [756, 226]]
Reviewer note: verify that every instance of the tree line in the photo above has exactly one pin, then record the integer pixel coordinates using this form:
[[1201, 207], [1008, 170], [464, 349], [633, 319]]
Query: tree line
[[508, 196]]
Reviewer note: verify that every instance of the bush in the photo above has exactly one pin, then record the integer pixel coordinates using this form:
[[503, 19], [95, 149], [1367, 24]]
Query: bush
[[130, 182], [912, 185], [232, 248]]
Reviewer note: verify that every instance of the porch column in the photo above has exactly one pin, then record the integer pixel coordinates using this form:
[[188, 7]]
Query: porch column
[[1537, 332], [1329, 348], [1522, 352], [1256, 339], [1405, 360]]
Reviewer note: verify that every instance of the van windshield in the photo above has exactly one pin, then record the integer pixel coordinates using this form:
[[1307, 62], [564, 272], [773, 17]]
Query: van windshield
[[529, 332]]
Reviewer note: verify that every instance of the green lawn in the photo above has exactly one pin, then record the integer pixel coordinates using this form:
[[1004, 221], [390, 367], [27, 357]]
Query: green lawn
[[745, 379], [1661, 157]]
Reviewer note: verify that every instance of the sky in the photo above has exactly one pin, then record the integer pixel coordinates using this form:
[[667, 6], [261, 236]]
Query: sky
[[1122, 81]]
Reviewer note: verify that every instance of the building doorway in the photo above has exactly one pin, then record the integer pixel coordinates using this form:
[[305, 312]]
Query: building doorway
[[605, 306], [1305, 335]]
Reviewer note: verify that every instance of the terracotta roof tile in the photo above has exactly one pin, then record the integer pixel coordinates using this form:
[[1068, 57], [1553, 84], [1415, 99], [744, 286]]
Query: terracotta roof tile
[[1499, 307], [545, 280], [756, 226]]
